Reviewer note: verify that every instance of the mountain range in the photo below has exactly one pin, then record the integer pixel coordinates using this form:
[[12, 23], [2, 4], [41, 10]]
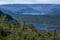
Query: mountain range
[[32, 8], [34, 13]]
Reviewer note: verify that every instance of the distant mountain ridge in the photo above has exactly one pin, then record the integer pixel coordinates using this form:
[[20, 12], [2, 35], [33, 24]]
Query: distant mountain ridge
[[32, 8], [17, 11], [28, 10], [20, 9]]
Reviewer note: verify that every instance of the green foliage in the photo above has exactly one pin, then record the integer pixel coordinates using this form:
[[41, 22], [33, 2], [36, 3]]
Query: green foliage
[[14, 31]]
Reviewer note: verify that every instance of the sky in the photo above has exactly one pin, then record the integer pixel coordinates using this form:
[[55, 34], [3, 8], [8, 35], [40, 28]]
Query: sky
[[29, 2]]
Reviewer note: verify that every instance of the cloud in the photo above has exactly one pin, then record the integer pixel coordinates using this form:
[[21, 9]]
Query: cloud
[[36, 1], [3, 2], [29, 1], [23, 2], [48, 1]]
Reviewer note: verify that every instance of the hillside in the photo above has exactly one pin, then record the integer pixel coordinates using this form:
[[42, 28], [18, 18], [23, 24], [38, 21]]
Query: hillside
[[42, 19], [12, 30], [17, 24], [6, 23]]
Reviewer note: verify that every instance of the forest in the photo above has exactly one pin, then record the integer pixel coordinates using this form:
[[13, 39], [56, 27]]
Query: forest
[[11, 29]]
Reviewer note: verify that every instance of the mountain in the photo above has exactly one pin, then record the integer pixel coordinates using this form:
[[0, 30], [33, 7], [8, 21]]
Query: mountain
[[6, 11], [38, 20], [15, 12], [8, 17], [28, 11], [32, 8], [54, 11], [19, 11]]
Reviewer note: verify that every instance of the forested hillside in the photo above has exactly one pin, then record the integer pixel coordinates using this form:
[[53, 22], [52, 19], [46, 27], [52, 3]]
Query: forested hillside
[[10, 29]]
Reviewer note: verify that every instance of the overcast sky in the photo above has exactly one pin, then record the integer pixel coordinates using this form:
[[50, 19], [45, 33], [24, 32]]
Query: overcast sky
[[29, 2]]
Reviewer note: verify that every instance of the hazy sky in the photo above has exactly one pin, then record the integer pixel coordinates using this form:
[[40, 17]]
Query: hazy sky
[[29, 1]]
